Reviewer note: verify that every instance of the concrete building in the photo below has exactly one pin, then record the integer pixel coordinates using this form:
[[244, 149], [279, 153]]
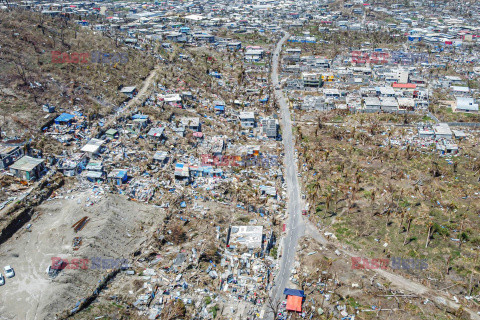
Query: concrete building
[[247, 119], [465, 105], [252, 55], [269, 127], [442, 131], [248, 236], [312, 79]]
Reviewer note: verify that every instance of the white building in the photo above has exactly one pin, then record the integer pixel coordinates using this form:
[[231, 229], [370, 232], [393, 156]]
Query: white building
[[247, 119]]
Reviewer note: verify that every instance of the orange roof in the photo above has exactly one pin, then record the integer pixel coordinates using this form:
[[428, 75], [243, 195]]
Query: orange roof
[[404, 85], [294, 303]]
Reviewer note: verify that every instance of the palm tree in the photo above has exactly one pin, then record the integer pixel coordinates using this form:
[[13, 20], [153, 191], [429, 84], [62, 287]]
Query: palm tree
[[451, 208]]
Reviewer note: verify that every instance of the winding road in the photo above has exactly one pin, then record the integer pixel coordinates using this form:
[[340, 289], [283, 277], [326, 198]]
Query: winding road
[[295, 225]]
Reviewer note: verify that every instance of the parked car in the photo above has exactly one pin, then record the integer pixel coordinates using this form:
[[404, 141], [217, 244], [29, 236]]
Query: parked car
[[54, 269], [2, 280], [9, 273]]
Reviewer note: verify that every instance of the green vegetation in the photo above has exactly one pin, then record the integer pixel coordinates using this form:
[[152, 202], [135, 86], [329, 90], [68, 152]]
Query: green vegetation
[[214, 311], [274, 252]]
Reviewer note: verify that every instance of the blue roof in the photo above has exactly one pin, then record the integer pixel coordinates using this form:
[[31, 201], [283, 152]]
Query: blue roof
[[179, 165], [139, 116], [121, 173], [219, 108], [294, 292], [64, 117]]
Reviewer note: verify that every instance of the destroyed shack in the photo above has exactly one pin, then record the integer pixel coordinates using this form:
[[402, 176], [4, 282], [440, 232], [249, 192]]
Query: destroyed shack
[[70, 166], [64, 119], [95, 176], [156, 134], [219, 106], [182, 172], [93, 147], [118, 176], [138, 123], [173, 99], [94, 172], [192, 123], [111, 133], [28, 168], [161, 157], [130, 92], [8, 154]]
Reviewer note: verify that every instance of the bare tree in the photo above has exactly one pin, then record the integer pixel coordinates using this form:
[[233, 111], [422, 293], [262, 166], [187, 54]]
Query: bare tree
[[429, 233], [274, 306], [409, 223]]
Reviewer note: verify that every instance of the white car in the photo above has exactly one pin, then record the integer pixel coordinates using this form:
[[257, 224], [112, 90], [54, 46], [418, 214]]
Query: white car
[[9, 273], [2, 280]]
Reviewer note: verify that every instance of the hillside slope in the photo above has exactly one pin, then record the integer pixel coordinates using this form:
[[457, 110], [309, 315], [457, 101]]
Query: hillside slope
[[30, 78]]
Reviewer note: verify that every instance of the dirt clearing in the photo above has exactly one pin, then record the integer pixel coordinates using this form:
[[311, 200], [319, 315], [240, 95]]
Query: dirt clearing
[[116, 227]]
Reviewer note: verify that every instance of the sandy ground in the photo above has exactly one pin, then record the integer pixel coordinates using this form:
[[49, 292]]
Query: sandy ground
[[117, 227]]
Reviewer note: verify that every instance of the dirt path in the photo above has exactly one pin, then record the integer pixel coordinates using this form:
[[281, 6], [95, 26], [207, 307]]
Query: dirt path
[[441, 299], [140, 97]]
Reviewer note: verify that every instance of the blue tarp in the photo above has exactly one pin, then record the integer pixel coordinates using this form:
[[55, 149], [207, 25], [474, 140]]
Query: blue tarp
[[139, 116], [122, 174], [294, 292], [221, 108], [216, 75], [64, 117]]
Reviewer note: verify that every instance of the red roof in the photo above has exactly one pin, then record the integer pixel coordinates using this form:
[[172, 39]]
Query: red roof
[[294, 303], [404, 85]]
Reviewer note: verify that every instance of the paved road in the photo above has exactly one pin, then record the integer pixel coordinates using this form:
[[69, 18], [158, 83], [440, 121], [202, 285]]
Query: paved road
[[295, 224], [296, 227]]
